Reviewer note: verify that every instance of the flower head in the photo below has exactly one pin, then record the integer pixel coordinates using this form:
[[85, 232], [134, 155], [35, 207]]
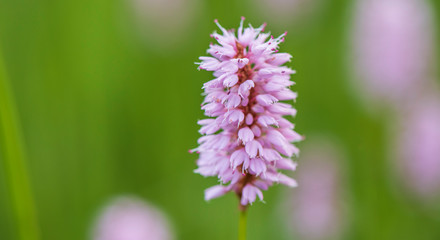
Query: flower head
[[393, 53], [316, 210], [128, 218], [246, 140], [418, 147]]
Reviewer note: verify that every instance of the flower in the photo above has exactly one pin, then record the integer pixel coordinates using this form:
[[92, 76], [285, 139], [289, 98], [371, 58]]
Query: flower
[[393, 52], [127, 218], [316, 210], [166, 20], [417, 155], [290, 11], [246, 140]]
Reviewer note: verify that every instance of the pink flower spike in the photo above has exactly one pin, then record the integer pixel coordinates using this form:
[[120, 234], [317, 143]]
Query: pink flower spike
[[393, 54], [318, 210], [246, 135], [129, 218]]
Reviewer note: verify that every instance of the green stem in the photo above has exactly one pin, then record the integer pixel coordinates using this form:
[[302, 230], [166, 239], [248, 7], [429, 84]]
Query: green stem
[[13, 157], [242, 225]]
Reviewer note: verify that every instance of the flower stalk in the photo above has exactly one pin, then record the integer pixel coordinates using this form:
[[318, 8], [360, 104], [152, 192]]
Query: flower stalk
[[242, 225]]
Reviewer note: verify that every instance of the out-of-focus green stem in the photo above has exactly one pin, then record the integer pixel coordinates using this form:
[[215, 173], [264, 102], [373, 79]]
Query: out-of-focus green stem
[[242, 225], [11, 148]]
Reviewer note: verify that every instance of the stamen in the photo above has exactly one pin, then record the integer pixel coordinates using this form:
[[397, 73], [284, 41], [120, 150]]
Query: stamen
[[240, 29], [225, 32]]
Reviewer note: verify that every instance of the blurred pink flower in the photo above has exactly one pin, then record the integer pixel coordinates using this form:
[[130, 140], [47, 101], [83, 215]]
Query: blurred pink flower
[[286, 11], [418, 149], [393, 46], [247, 141], [317, 211], [164, 23], [131, 219]]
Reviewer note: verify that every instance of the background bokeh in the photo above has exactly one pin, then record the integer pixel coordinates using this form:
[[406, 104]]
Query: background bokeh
[[108, 96]]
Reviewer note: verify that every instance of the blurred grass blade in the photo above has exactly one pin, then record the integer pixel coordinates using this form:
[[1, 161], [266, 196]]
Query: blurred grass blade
[[15, 164]]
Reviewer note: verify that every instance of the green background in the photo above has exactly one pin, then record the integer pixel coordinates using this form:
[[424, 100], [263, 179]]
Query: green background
[[105, 111]]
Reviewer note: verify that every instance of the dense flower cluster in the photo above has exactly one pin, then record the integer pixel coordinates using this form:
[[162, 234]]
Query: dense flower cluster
[[247, 141]]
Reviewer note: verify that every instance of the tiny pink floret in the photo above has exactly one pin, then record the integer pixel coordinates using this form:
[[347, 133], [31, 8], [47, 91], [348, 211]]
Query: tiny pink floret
[[246, 139]]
